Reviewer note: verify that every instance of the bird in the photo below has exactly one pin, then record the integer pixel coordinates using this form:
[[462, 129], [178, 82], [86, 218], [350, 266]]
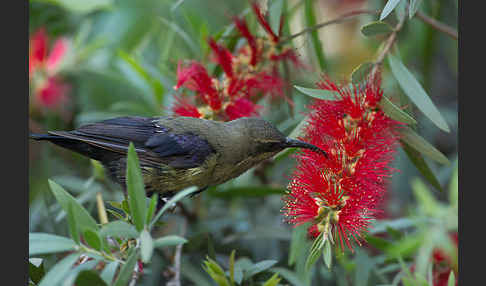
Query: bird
[[177, 152]]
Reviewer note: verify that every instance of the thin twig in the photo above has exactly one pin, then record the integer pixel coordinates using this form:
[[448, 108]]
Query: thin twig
[[387, 47], [176, 280], [437, 25], [345, 17]]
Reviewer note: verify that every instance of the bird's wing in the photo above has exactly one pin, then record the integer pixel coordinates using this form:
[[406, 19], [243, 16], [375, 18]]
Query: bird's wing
[[154, 144]]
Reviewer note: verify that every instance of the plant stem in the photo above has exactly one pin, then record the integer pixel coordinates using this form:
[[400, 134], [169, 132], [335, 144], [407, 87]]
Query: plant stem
[[343, 18], [437, 25], [386, 49], [176, 280]]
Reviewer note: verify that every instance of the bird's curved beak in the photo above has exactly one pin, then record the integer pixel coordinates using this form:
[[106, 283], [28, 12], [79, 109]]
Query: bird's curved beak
[[294, 143]]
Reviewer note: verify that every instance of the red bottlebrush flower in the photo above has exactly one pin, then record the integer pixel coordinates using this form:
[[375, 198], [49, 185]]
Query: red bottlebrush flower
[[261, 19], [340, 194], [195, 77], [241, 107], [223, 57], [243, 28], [52, 93], [183, 107], [267, 83], [288, 54], [38, 57]]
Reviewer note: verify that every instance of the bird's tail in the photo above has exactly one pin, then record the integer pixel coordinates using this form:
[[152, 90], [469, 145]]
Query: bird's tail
[[48, 137]]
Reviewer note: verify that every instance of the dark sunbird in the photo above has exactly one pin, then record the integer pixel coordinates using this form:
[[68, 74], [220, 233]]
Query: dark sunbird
[[177, 152]]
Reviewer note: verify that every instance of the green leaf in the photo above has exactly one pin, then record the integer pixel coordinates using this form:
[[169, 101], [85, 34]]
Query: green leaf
[[327, 254], [419, 162], [89, 278], [232, 267], [109, 272], [135, 189], [378, 242], [146, 246], [169, 240], [452, 279], [310, 20], [416, 92], [420, 144], [73, 228], [85, 6], [43, 243], [405, 247], [182, 33], [413, 8], [127, 269], [395, 112], [274, 14], [155, 85], [92, 239], [36, 272], [360, 73], [119, 228], [152, 207], [424, 198], [376, 28], [57, 273], [83, 218], [216, 272], [172, 201], [315, 251], [272, 281], [390, 5], [454, 186], [259, 267], [317, 93], [297, 243]]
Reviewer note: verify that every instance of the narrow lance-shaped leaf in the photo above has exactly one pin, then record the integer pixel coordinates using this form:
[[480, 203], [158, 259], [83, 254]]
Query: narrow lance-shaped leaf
[[416, 93], [272, 281], [83, 218], [232, 267], [169, 240], [109, 272], [395, 112], [119, 228], [376, 28], [297, 242], [155, 85], [43, 243], [135, 189], [310, 19], [413, 8], [327, 254], [317, 93], [315, 251], [92, 238], [390, 5], [420, 144], [152, 208], [259, 267], [422, 166], [73, 228], [127, 269], [59, 271], [146, 246]]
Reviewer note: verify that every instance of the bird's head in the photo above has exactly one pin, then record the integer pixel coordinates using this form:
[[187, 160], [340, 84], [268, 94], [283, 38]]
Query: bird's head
[[265, 138]]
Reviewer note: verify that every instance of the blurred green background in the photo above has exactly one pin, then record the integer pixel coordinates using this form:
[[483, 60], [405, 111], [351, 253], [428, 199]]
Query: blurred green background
[[122, 60]]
